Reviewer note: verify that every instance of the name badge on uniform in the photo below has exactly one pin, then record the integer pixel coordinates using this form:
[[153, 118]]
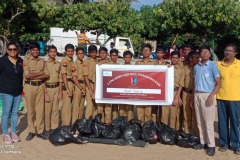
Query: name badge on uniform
[[64, 64], [73, 69]]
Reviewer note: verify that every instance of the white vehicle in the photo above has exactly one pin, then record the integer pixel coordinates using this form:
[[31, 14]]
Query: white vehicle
[[59, 38]]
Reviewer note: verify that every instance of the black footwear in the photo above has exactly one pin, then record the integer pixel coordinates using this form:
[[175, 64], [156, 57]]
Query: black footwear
[[198, 146], [237, 152], [43, 136], [222, 149], [211, 151], [30, 136], [47, 133]]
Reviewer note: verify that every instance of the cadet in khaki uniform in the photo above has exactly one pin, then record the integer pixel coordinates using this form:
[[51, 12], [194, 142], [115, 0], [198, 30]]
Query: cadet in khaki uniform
[[177, 101], [66, 71], [159, 61], [35, 73], [53, 93], [114, 56], [144, 112], [124, 109], [189, 121], [102, 108], [79, 87], [89, 71]]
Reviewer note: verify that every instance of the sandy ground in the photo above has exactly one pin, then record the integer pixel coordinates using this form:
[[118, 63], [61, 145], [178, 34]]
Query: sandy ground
[[39, 149]]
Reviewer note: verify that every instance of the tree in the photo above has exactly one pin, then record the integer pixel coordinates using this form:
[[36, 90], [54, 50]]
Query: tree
[[115, 19], [9, 11], [202, 17]]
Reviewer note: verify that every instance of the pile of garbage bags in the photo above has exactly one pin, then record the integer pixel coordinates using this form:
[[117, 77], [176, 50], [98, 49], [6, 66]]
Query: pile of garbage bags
[[120, 132]]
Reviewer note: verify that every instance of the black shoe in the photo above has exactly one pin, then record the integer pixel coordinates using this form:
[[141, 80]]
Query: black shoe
[[237, 152], [198, 146], [222, 148], [30, 136], [205, 146], [47, 133], [43, 136], [211, 151]]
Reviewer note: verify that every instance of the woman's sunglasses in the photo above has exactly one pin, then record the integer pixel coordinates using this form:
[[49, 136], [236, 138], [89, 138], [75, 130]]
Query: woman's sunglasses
[[12, 49]]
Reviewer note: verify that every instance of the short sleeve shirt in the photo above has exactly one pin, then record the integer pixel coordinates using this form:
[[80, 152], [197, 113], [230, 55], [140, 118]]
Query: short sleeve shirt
[[188, 77], [111, 62], [104, 62], [230, 78], [66, 66], [32, 65], [82, 38], [53, 68], [149, 62], [89, 68], [204, 76], [178, 73], [163, 62], [77, 69]]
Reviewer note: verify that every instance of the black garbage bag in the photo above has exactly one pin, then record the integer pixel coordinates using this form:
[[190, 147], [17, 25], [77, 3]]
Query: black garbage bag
[[166, 134], [120, 142], [150, 132], [97, 126], [120, 121], [187, 140], [64, 135], [123, 142], [113, 130], [132, 131], [83, 126]]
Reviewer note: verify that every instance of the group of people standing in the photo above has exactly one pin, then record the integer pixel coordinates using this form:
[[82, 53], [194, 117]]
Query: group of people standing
[[196, 82]]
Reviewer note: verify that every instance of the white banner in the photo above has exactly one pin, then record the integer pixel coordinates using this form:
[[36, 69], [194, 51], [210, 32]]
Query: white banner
[[134, 84]]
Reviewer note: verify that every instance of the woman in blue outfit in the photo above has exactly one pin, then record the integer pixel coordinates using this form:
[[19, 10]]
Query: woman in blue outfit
[[11, 85]]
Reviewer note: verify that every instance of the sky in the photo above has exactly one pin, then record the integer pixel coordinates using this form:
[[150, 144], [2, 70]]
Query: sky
[[137, 5]]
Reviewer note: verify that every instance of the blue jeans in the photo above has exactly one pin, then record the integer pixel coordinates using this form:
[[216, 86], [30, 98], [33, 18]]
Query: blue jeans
[[10, 108], [229, 111]]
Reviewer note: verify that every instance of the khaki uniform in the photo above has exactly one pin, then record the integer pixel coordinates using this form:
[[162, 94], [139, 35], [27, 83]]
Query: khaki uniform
[[66, 68], [104, 108], [78, 98], [89, 69], [174, 110], [155, 108], [126, 110], [34, 94], [144, 113], [52, 87], [114, 106], [189, 120]]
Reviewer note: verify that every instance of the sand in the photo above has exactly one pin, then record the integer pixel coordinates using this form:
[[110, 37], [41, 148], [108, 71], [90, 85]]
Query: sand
[[39, 149]]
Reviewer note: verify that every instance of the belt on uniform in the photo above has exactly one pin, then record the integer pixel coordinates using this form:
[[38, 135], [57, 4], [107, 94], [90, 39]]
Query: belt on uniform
[[80, 81], [52, 85], [69, 79], [91, 81], [200, 92], [33, 83], [176, 88], [187, 90]]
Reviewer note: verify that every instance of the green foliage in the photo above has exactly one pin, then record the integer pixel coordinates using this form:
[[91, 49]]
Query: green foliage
[[194, 20], [201, 17], [33, 37], [115, 18]]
